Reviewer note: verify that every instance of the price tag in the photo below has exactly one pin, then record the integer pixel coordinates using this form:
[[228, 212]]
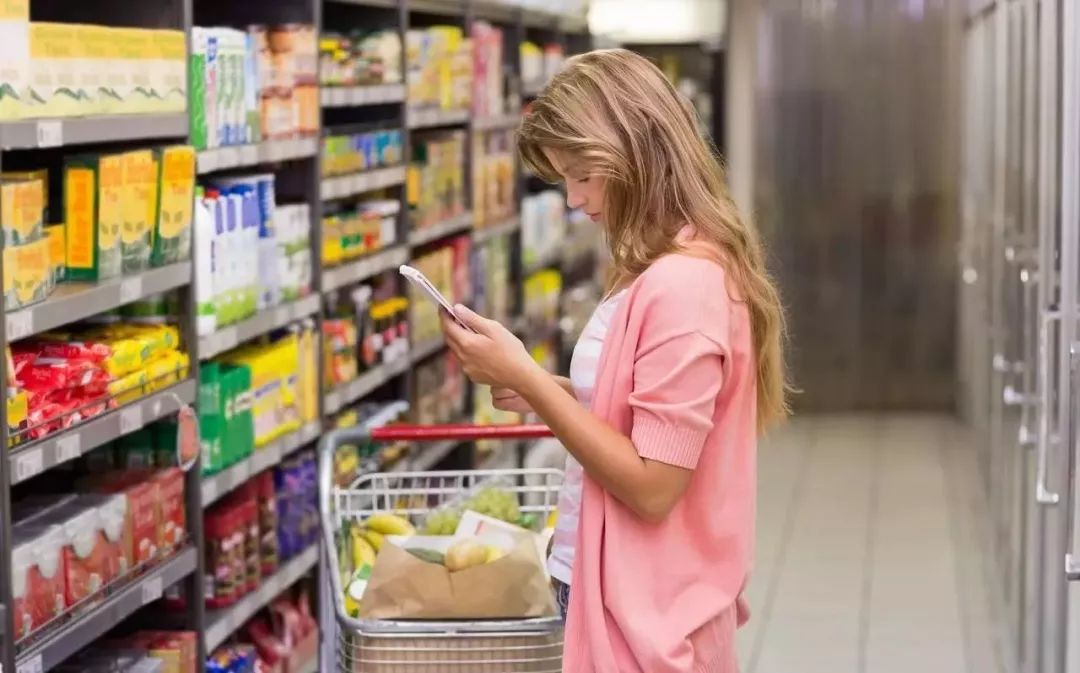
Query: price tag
[[33, 665], [68, 448], [131, 290], [332, 402], [29, 464], [20, 324], [50, 133], [131, 419], [155, 408], [151, 590], [209, 491]]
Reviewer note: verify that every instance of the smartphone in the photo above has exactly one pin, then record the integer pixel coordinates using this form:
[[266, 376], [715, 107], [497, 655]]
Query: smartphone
[[417, 278]]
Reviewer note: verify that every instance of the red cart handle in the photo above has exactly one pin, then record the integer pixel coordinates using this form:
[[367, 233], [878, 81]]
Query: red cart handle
[[462, 432]]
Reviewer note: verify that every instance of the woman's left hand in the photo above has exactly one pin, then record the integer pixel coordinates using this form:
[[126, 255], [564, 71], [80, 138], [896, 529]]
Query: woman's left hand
[[492, 356]]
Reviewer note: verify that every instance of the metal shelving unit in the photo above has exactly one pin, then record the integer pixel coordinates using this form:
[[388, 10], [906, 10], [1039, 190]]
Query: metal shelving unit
[[246, 156], [71, 302], [455, 225], [360, 96], [44, 133], [228, 338], [214, 487], [220, 624], [344, 186], [297, 161], [121, 603]]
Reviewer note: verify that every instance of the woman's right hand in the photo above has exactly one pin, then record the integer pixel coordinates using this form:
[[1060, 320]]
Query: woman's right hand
[[507, 400]]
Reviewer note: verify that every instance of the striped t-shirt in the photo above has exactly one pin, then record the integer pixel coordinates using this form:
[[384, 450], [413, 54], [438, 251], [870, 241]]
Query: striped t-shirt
[[583, 371]]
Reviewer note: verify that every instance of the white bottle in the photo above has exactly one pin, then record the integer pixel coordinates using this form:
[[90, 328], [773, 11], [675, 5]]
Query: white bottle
[[205, 310]]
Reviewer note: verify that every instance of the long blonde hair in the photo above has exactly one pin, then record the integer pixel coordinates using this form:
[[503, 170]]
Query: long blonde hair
[[616, 113]]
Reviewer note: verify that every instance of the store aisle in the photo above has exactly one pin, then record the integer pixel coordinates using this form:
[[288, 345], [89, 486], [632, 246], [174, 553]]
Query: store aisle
[[869, 551]]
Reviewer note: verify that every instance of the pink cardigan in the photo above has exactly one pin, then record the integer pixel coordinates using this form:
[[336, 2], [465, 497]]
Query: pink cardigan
[[676, 375]]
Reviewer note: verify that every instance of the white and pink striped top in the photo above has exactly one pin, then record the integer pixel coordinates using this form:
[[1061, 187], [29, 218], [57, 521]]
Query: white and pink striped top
[[583, 370]]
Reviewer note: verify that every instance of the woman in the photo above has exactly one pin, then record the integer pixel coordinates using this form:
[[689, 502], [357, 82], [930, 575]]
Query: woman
[[673, 379]]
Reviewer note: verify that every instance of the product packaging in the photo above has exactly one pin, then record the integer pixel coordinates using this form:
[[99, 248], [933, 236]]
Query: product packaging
[[94, 215], [176, 190]]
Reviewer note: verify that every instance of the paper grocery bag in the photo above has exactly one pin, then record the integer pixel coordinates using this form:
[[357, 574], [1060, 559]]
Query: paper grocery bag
[[404, 587]]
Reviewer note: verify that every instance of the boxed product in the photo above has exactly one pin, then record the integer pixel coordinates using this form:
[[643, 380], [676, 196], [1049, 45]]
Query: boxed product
[[176, 200], [55, 55], [14, 57], [94, 213], [22, 207], [140, 185], [37, 577], [28, 276], [57, 236]]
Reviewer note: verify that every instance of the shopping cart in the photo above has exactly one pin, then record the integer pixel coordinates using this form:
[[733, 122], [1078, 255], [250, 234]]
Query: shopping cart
[[390, 646]]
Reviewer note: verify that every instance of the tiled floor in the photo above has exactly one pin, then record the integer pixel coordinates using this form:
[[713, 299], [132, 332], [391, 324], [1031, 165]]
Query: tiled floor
[[868, 531]]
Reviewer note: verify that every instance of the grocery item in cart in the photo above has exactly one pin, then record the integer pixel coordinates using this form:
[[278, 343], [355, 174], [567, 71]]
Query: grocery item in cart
[[513, 585]]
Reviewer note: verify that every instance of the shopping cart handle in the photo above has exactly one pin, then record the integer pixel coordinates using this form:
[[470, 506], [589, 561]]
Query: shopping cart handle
[[462, 432]]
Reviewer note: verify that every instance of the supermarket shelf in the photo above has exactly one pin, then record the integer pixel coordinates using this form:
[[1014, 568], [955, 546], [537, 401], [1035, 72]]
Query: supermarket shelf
[[359, 96], [387, 4], [500, 123], [454, 225], [363, 385], [35, 133], [364, 268], [223, 623], [494, 10], [434, 117], [423, 351], [42, 455], [71, 302], [443, 7], [487, 233], [220, 484], [268, 152], [352, 185], [261, 323], [118, 606]]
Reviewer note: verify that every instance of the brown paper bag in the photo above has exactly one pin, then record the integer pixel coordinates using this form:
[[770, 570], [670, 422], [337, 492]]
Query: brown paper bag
[[404, 587]]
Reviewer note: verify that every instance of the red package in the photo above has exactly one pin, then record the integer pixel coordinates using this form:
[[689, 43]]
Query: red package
[[171, 514], [21, 360], [115, 520], [222, 585], [50, 374], [73, 350], [88, 558], [145, 525], [37, 577], [270, 647]]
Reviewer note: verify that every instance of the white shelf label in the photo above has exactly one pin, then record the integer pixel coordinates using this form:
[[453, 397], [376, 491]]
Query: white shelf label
[[282, 316], [69, 448], [20, 324], [131, 419], [29, 464], [50, 133], [155, 408], [247, 155], [33, 665], [131, 290], [332, 402], [151, 590]]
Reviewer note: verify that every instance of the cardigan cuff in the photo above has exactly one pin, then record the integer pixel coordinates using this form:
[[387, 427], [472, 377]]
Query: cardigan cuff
[[665, 443]]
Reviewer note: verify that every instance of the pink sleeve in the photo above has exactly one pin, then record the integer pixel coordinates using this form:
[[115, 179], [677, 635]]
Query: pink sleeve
[[677, 379]]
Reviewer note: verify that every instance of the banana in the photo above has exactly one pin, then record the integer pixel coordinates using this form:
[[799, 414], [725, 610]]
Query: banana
[[363, 552], [374, 538], [390, 524]]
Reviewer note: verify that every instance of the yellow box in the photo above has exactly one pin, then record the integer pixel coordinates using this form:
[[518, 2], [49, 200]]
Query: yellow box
[[140, 193], [22, 210], [14, 57], [54, 66], [27, 278], [94, 215], [57, 237], [176, 204]]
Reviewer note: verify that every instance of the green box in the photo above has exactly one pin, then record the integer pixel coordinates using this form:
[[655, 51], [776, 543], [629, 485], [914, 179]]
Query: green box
[[211, 417]]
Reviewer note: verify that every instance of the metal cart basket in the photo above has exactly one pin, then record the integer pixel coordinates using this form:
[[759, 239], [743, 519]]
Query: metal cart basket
[[385, 646]]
